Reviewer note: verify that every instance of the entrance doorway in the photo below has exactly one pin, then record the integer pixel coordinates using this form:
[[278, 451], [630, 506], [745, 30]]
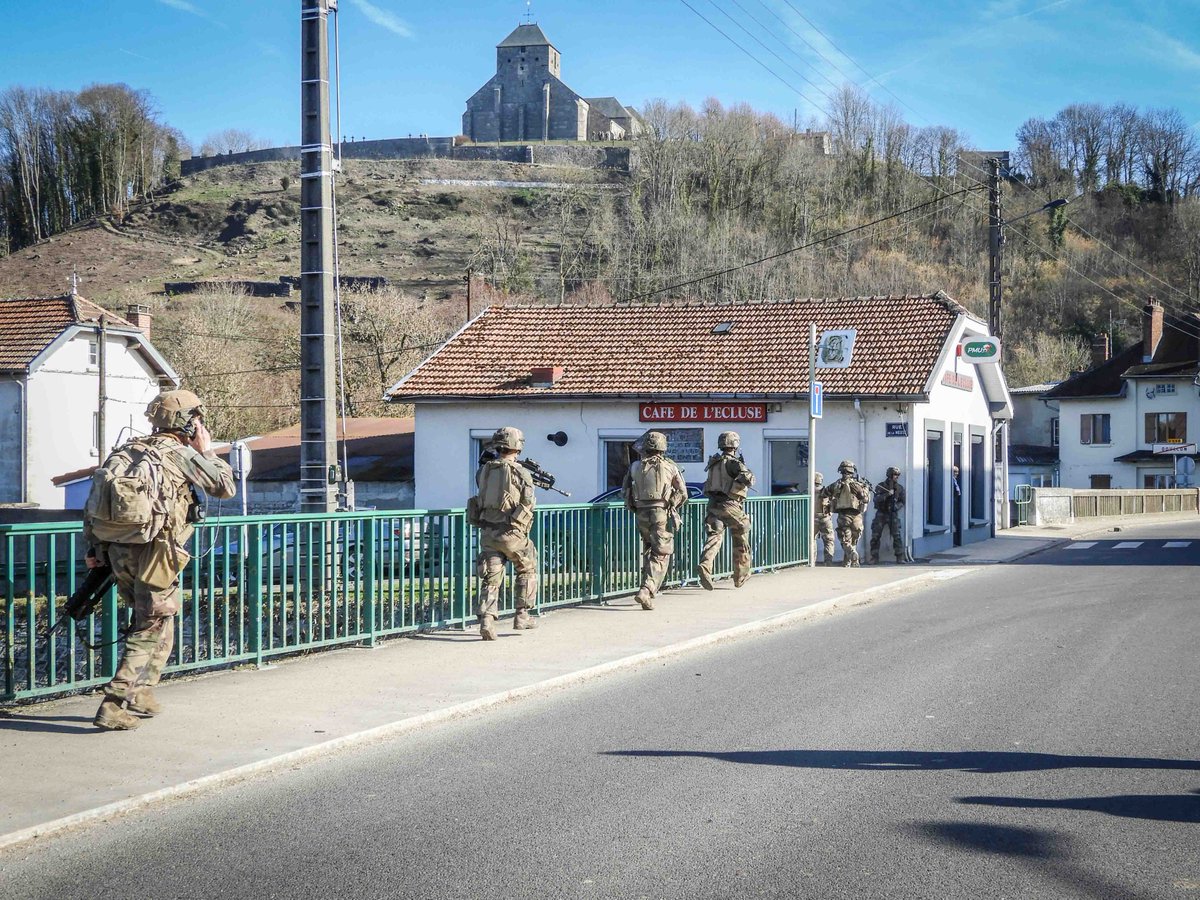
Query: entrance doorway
[[956, 489]]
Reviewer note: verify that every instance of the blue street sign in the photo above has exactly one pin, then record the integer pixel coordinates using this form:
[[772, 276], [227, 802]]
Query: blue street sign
[[816, 400]]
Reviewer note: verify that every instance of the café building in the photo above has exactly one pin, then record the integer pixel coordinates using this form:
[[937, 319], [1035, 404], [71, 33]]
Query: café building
[[585, 382]]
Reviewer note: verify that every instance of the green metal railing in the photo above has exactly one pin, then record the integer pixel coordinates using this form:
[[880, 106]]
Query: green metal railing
[[1023, 500], [263, 586]]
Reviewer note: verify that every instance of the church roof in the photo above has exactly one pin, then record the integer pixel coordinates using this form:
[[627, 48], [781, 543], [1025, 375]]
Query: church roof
[[608, 106], [526, 36]]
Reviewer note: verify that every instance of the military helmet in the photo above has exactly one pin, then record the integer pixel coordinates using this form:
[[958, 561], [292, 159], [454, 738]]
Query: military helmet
[[173, 410], [892, 470], [654, 440], [729, 440], [818, 478], [847, 465], [508, 438]]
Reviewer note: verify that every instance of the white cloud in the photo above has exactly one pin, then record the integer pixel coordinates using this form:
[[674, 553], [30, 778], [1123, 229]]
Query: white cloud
[[182, 6], [1177, 52], [381, 17]]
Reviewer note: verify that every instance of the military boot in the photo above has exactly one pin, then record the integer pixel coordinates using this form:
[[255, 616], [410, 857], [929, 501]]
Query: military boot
[[846, 562], [523, 621], [111, 717], [830, 562], [144, 703], [901, 560], [854, 561], [643, 597], [706, 581], [487, 628], [874, 559]]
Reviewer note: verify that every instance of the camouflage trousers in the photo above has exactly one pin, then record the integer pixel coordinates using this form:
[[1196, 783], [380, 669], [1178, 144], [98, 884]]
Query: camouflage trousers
[[824, 529], [495, 547], [148, 646], [849, 531], [658, 546], [729, 514], [890, 521]]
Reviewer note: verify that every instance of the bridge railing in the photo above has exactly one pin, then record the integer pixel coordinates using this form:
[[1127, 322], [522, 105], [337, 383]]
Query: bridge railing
[[1054, 506], [263, 586]]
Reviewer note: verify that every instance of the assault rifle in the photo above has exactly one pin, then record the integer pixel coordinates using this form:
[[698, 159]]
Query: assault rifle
[[541, 478], [90, 593]]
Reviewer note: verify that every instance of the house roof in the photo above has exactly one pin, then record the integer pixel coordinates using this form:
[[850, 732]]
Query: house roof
[[526, 36], [1149, 456], [671, 350], [1035, 388], [28, 325], [608, 106], [1104, 380], [1032, 455]]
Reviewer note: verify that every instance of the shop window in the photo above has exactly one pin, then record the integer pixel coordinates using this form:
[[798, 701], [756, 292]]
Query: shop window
[[618, 455], [1095, 428], [935, 478], [1100, 482], [789, 466], [979, 489], [1166, 428]]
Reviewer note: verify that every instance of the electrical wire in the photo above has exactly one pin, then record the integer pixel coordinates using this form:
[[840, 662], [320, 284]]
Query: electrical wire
[[805, 246]]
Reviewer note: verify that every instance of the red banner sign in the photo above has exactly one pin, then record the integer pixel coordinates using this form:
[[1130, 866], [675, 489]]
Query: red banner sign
[[702, 412]]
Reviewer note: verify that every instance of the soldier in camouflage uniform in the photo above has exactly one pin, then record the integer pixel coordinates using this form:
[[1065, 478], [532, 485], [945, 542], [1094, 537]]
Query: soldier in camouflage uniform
[[188, 461], [889, 504], [849, 498], [654, 491], [823, 518], [503, 510], [726, 486]]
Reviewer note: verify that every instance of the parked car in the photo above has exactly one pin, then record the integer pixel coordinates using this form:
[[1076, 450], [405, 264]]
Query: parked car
[[695, 491]]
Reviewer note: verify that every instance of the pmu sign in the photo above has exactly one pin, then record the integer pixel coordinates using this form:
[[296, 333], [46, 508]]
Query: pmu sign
[[702, 412], [981, 350]]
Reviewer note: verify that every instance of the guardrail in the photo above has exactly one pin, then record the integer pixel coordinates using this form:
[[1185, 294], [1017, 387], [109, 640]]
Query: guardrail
[[1053, 506], [263, 586]]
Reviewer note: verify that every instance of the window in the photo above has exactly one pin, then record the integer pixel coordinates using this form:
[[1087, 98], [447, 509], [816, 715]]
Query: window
[[789, 466], [1158, 481], [1166, 428], [1094, 429], [96, 432], [1054, 432], [935, 477], [1041, 479], [1164, 389], [618, 455], [93, 352], [1100, 482], [979, 489]]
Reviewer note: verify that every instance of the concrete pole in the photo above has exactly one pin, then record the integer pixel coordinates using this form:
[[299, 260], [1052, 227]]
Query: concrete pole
[[102, 399], [812, 448], [318, 413]]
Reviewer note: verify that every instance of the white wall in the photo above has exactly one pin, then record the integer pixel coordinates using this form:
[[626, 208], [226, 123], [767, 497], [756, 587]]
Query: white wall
[[64, 395], [1032, 420]]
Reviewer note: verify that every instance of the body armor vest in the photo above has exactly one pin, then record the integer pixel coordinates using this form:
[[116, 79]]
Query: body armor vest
[[651, 479], [499, 491], [846, 499], [719, 481]]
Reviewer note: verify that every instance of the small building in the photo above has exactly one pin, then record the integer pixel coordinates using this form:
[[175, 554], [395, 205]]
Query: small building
[[51, 353], [1124, 423], [609, 120], [585, 382], [1033, 438]]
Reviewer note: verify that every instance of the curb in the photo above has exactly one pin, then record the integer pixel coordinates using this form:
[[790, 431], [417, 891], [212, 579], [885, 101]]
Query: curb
[[470, 707]]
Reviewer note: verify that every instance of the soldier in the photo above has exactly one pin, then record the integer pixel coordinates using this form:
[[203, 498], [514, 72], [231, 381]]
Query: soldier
[[726, 485], [823, 518], [177, 458], [889, 503], [849, 497], [654, 491], [503, 510]]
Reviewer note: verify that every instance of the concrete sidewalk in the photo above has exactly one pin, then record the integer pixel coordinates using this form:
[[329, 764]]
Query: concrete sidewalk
[[229, 725]]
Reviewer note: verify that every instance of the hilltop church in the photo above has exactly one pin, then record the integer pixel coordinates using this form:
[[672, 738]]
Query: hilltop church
[[526, 99]]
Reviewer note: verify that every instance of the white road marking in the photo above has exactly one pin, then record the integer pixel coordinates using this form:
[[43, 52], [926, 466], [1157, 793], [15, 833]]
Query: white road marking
[[1081, 545], [1176, 545], [1128, 545]]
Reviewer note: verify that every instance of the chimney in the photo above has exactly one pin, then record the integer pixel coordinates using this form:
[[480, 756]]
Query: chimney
[[1100, 350], [545, 376], [1152, 328], [140, 317]]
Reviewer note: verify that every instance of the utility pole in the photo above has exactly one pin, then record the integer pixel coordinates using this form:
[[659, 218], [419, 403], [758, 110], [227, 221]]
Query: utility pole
[[102, 400], [812, 448], [470, 278], [995, 249], [318, 413]]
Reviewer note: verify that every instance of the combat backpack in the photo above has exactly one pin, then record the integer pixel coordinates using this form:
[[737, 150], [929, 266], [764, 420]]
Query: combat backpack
[[128, 501]]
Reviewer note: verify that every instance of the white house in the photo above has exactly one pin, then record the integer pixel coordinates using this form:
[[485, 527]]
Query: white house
[[1033, 438], [584, 382], [50, 390], [1114, 416]]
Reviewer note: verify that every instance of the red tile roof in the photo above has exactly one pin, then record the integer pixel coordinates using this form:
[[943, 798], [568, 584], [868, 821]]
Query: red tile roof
[[29, 325], [670, 349]]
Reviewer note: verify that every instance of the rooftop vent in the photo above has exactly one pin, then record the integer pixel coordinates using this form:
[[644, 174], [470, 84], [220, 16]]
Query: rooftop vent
[[722, 328], [545, 376]]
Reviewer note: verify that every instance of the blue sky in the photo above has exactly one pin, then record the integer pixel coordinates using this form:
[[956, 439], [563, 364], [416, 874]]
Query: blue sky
[[982, 67]]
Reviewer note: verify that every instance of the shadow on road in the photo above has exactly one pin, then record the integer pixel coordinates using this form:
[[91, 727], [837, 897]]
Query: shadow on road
[[18, 722], [1045, 852], [1157, 808], [1152, 552], [981, 761]]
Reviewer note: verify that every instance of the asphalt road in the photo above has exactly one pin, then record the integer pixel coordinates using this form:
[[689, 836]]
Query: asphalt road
[[1020, 731]]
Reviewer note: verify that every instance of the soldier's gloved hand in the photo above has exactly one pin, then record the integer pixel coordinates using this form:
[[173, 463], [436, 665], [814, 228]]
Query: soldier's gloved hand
[[201, 439]]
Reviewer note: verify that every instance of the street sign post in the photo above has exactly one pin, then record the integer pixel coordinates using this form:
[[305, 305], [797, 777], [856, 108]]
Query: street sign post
[[816, 400], [240, 460]]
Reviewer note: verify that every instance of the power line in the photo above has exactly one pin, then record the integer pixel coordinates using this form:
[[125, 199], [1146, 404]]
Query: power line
[[186, 332], [773, 256], [292, 368]]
